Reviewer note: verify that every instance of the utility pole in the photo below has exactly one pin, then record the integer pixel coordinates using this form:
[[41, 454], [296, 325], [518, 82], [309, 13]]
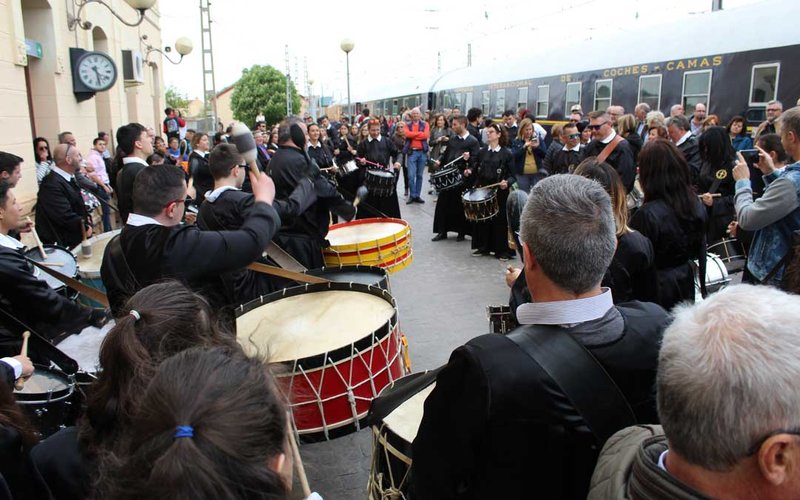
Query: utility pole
[[209, 82], [469, 54], [288, 85]]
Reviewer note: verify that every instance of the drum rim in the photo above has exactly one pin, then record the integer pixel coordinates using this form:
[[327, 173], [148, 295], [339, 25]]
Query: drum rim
[[382, 430], [24, 398], [340, 353], [493, 192], [102, 236], [393, 238], [358, 268], [33, 254], [391, 258]]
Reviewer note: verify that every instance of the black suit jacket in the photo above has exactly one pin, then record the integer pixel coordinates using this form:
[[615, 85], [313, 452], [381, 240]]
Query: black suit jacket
[[60, 211], [621, 159]]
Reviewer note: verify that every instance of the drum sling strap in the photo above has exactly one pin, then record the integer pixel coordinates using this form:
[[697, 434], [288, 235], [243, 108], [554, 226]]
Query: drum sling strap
[[76, 285], [44, 348], [610, 147], [580, 376]]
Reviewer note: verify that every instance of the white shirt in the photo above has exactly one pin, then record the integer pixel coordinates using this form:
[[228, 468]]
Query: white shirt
[[494, 150], [212, 196], [565, 312], [133, 159], [137, 220], [610, 137], [576, 148], [9, 242], [662, 461], [370, 139], [16, 365], [67, 176], [684, 138], [465, 134], [540, 131]]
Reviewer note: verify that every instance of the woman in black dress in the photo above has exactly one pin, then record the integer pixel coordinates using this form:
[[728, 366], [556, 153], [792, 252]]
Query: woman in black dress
[[672, 218], [716, 178], [320, 153], [632, 273], [493, 166], [345, 151], [200, 175]]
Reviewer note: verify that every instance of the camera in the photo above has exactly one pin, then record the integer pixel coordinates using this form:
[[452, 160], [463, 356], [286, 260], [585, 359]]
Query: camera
[[751, 156]]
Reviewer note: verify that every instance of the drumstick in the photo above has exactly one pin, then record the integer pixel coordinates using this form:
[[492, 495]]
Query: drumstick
[[36, 237], [53, 264], [491, 185], [371, 163], [713, 195], [298, 462], [459, 158], [20, 383]]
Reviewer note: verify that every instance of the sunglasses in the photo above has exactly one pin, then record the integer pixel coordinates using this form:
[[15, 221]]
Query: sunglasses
[[574, 136], [596, 127]]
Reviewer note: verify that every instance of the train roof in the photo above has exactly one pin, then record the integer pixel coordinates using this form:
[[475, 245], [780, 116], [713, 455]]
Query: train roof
[[750, 27]]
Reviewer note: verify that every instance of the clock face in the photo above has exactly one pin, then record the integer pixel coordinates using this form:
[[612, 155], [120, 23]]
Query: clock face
[[97, 71]]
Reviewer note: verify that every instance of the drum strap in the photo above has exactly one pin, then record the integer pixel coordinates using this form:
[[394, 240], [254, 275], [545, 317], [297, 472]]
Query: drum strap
[[610, 147], [44, 347], [582, 378], [76, 285]]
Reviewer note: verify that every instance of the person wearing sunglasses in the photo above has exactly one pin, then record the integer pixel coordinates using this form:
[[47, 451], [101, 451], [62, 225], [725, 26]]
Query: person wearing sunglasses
[[569, 156], [727, 402], [44, 160], [610, 147]]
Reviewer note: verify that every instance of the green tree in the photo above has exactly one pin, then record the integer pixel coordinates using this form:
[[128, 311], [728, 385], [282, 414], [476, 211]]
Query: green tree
[[176, 99], [262, 88]]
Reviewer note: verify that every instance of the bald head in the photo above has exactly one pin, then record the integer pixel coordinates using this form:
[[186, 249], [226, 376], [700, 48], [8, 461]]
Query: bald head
[[65, 157]]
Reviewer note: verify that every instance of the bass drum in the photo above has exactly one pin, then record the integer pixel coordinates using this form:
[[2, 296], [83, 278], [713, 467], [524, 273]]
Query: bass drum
[[366, 275]]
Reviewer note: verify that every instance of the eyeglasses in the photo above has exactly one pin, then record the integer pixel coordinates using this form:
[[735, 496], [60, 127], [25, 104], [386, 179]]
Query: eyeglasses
[[596, 127], [181, 200], [773, 109], [42, 148], [574, 136], [757, 446]]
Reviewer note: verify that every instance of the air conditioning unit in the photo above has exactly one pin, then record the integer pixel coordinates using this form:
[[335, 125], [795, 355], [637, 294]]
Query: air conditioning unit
[[132, 67]]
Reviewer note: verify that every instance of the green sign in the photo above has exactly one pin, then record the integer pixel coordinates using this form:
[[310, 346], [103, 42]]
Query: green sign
[[33, 48]]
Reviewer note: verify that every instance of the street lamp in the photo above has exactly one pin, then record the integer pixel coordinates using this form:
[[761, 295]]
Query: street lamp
[[347, 45], [140, 5], [183, 46]]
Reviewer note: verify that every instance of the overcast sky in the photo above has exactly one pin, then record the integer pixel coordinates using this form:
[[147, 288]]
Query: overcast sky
[[391, 44]]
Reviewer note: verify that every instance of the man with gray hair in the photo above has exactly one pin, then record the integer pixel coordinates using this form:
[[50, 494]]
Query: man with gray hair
[[680, 133], [771, 125], [728, 402], [640, 111], [505, 420]]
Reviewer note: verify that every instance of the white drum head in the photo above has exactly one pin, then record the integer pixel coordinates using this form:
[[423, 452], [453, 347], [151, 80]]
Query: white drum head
[[311, 323], [43, 381], [90, 266], [405, 419], [359, 233], [85, 348]]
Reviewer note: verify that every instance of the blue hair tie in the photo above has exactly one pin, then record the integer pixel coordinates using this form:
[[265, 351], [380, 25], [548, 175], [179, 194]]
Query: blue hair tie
[[184, 431]]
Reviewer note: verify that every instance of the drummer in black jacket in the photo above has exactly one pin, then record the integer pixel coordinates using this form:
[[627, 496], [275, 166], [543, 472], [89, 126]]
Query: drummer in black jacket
[[449, 215], [303, 236], [30, 300], [378, 149], [153, 245], [226, 208]]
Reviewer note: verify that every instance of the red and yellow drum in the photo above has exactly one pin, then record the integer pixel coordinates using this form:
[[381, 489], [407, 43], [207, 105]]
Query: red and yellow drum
[[339, 346], [380, 242]]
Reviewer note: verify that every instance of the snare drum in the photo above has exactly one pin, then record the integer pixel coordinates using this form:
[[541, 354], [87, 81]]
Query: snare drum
[[716, 276], [380, 183], [480, 204], [448, 178], [381, 242], [366, 275], [46, 399], [89, 267], [346, 168], [339, 344], [59, 259], [391, 444]]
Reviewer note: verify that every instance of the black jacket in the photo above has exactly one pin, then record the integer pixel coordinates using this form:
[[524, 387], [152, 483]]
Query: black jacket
[[201, 176], [621, 159], [691, 151], [635, 142], [125, 178], [147, 254], [34, 303], [60, 212], [497, 426], [565, 162]]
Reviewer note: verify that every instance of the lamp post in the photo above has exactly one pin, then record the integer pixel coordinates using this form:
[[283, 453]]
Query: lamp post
[[183, 46], [347, 45], [141, 6]]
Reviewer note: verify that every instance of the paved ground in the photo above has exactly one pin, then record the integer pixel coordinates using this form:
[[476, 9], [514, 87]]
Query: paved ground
[[442, 299]]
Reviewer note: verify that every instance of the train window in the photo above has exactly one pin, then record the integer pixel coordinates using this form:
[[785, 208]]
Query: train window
[[542, 101], [417, 100], [602, 94], [485, 102], [764, 83], [500, 101], [573, 96], [467, 100], [446, 100], [696, 89], [522, 97], [394, 107], [650, 90]]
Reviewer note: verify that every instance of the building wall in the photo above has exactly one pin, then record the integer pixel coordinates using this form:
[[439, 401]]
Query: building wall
[[53, 107], [224, 112]]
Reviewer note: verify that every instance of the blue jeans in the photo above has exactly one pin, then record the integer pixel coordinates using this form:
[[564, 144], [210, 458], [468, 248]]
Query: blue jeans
[[416, 165]]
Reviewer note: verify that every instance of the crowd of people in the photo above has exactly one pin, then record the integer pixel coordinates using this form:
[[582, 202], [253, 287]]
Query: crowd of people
[[609, 212]]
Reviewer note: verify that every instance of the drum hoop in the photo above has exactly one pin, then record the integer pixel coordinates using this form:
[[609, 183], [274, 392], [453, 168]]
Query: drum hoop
[[381, 174], [54, 396], [493, 193], [33, 254], [393, 238], [447, 171], [318, 360], [368, 250], [383, 282], [385, 260]]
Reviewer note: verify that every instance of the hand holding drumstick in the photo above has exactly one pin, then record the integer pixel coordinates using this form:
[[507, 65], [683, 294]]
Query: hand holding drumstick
[[27, 366]]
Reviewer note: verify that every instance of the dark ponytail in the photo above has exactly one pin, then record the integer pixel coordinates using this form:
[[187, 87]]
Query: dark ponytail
[[171, 319], [232, 426]]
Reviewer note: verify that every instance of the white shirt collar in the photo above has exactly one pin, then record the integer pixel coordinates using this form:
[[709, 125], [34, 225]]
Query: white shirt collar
[[212, 196], [576, 148], [494, 150], [684, 138], [369, 139], [133, 159], [137, 220], [315, 146], [67, 176], [9, 242], [610, 137], [566, 312], [662, 461], [465, 134]]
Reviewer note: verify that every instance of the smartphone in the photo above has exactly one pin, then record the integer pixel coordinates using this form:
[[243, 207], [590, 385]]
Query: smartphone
[[751, 156]]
